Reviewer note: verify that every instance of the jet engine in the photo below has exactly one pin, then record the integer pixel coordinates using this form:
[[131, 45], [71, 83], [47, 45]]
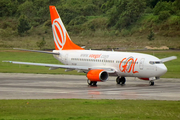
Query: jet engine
[[97, 75]]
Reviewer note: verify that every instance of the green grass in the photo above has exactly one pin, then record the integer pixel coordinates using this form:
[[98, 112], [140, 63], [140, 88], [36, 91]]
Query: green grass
[[70, 109], [13, 55]]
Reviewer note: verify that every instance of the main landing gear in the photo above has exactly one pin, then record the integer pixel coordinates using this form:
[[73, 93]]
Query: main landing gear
[[120, 80], [92, 83], [151, 83]]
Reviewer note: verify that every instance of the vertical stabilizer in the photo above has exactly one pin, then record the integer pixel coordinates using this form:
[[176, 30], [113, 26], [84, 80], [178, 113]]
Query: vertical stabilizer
[[62, 40]]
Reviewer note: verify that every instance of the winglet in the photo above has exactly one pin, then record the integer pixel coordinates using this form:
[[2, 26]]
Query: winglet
[[62, 40]]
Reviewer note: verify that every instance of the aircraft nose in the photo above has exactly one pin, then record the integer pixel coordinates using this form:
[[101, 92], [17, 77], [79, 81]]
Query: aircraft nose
[[162, 69]]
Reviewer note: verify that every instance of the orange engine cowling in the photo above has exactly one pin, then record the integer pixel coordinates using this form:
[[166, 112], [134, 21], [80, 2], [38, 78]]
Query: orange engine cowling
[[97, 75]]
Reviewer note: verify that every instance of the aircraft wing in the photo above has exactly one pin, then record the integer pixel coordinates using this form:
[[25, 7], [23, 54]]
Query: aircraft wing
[[168, 59], [56, 66]]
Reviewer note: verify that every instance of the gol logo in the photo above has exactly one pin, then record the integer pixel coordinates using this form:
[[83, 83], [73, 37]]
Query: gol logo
[[59, 33], [128, 65]]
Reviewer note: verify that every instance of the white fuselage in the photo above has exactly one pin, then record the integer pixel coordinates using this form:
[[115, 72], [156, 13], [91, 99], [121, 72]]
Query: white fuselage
[[126, 64]]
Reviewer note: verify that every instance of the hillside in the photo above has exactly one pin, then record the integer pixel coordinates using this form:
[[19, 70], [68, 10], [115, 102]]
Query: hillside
[[97, 24]]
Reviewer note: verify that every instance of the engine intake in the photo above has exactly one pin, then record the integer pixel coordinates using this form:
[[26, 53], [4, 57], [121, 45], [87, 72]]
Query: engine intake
[[97, 75]]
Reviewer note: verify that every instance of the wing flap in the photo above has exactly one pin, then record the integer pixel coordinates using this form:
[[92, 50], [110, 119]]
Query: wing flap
[[47, 65]]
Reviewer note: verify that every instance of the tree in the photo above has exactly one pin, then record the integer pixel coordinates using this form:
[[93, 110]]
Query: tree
[[67, 14], [21, 1], [107, 5], [41, 43], [78, 20], [176, 7], [152, 3], [151, 36], [27, 8], [8, 7], [125, 12], [163, 6], [90, 9], [23, 25]]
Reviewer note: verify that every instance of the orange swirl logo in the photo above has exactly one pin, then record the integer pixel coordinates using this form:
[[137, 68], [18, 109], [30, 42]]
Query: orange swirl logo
[[128, 65], [59, 33]]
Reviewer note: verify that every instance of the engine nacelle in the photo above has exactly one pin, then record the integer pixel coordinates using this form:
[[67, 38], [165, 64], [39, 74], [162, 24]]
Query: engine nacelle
[[97, 75]]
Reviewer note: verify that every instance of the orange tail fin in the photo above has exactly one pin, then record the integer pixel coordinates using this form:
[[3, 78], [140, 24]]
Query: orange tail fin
[[62, 40]]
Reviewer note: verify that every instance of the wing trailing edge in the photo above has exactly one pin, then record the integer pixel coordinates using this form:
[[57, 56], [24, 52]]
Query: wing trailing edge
[[56, 66]]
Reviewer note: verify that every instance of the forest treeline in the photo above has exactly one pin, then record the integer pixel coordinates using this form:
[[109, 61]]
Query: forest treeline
[[84, 17]]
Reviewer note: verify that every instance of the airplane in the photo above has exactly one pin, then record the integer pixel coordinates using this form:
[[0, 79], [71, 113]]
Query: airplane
[[99, 65]]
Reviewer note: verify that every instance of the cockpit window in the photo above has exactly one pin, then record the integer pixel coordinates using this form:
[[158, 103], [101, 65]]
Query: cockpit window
[[155, 62], [158, 62]]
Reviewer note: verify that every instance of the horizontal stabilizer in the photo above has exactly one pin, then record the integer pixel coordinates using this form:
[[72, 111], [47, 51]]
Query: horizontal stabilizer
[[168, 58], [37, 51]]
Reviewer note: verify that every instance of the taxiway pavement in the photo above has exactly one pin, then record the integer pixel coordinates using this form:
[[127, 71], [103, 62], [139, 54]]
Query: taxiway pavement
[[45, 86]]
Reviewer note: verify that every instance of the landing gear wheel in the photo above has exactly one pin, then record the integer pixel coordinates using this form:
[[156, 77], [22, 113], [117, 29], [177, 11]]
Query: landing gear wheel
[[94, 83], [121, 80], [118, 80], [91, 83], [151, 83]]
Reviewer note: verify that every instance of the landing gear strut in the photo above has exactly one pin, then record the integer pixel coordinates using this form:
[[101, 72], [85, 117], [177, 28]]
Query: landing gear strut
[[92, 83], [121, 80], [151, 83]]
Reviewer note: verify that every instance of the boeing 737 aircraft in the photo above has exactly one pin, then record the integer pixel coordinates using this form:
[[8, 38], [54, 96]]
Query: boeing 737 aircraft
[[99, 65]]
